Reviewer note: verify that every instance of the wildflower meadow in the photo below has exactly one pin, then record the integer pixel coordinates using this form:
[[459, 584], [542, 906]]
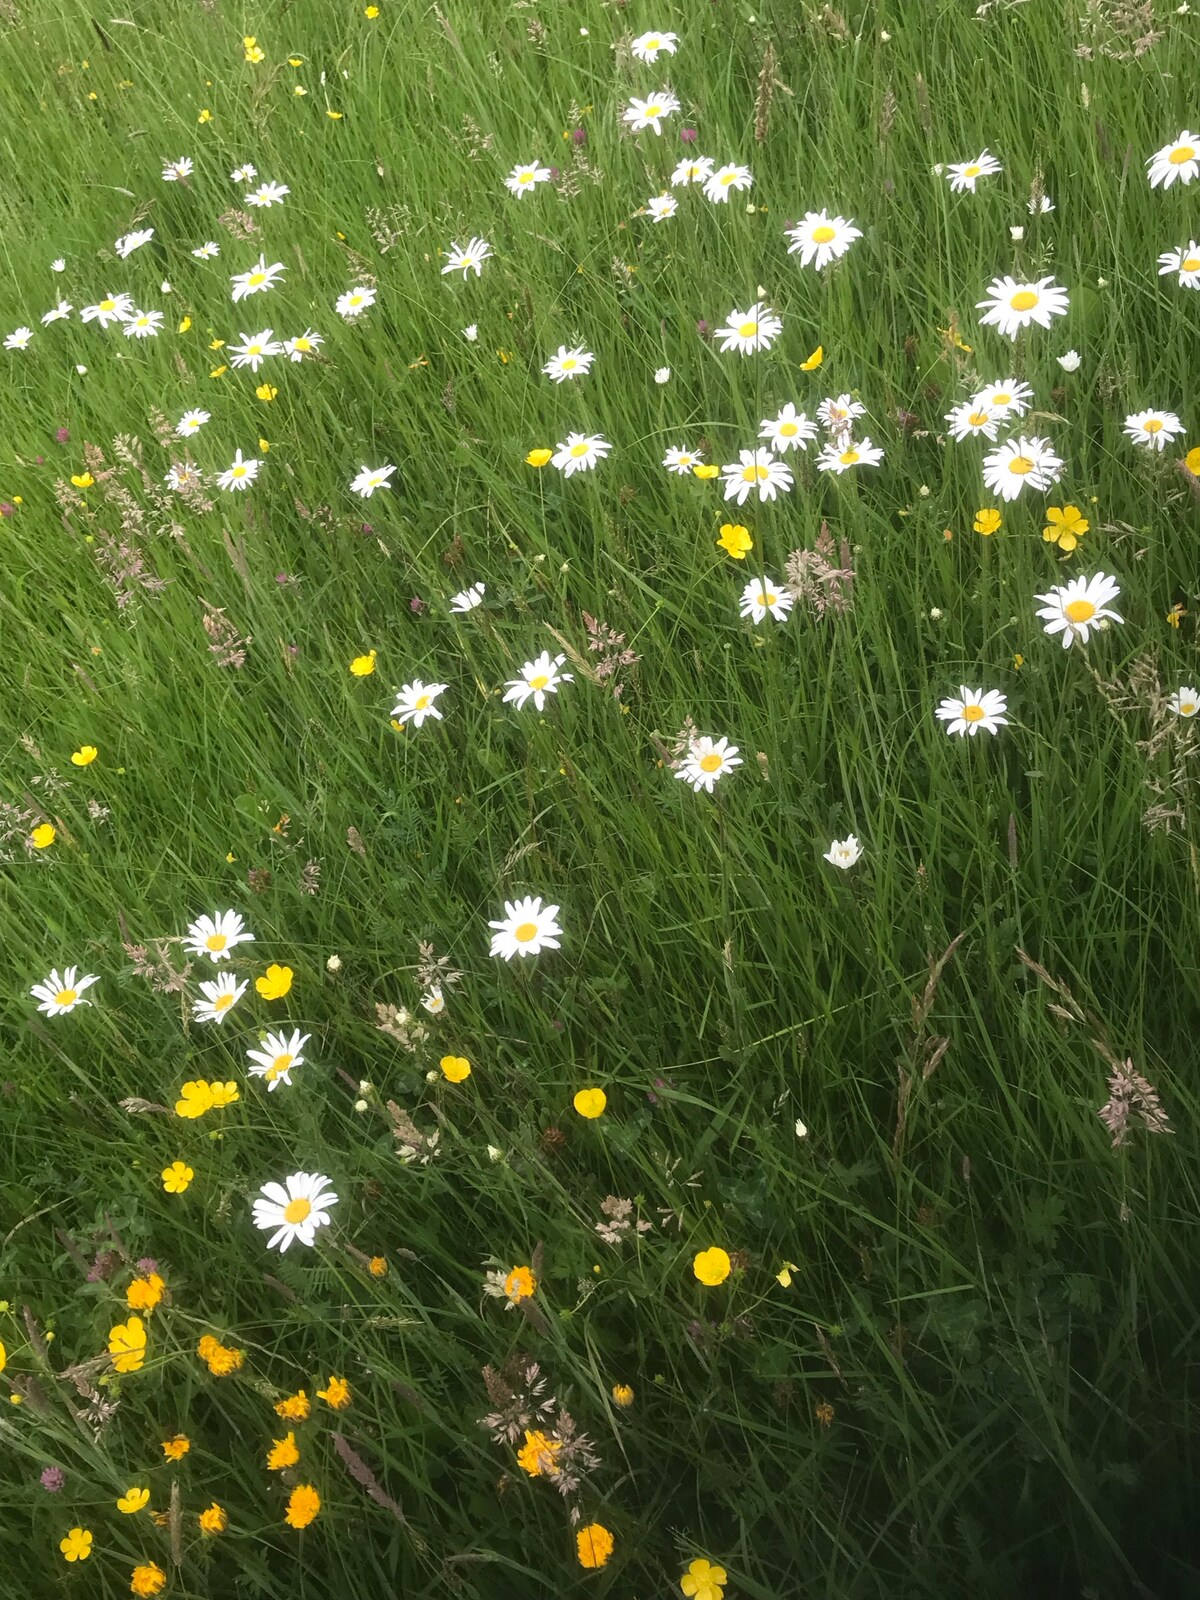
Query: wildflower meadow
[[598, 810]]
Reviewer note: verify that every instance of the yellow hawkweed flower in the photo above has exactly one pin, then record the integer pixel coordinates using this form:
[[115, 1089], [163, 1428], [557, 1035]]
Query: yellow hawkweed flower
[[303, 1504], [175, 1449], [336, 1395]]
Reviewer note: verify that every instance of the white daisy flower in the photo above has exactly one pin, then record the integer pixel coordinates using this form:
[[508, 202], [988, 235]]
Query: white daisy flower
[[1008, 398], [58, 264], [1178, 160], [207, 251], [521, 179], [467, 258], [526, 929], [965, 174], [662, 207], [681, 461], [662, 375], [1078, 607], [182, 475], [129, 242], [267, 195], [842, 454], [1185, 262], [1021, 463], [707, 761], [254, 349], [790, 430], [434, 1002], [968, 421], [820, 239], [217, 935], [580, 452], [18, 339], [113, 308], [243, 174], [416, 702], [294, 1209], [755, 471], [59, 314], [1011, 305], [692, 169], [239, 474], [468, 599], [1070, 362], [763, 597], [1040, 206], [56, 996], [219, 998], [304, 344], [972, 710], [278, 1056], [144, 325], [1153, 429], [838, 414], [1185, 702], [369, 479], [260, 278], [749, 331], [471, 332], [641, 114], [538, 679], [841, 853], [718, 185], [569, 364], [646, 46], [174, 171], [354, 302], [191, 422]]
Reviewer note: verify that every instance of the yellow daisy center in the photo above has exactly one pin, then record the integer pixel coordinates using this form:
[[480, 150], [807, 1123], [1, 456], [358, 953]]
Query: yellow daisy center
[[768, 599], [525, 177], [235, 472], [972, 171], [421, 703], [1002, 399], [540, 682], [254, 349], [1024, 300], [727, 179], [1152, 425], [1191, 264], [66, 997], [748, 329], [1180, 154], [255, 279], [1020, 465], [525, 932], [978, 418], [568, 363], [108, 305], [848, 457], [711, 762], [279, 1066], [297, 1210], [972, 713], [222, 1002], [1079, 611], [1187, 708], [654, 44], [823, 234], [654, 111], [578, 450], [788, 429], [302, 344], [215, 941]]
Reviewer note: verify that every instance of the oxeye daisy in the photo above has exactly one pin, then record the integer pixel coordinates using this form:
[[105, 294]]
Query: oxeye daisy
[[1019, 464], [1184, 262], [820, 239], [842, 454], [838, 414], [755, 471], [467, 258], [968, 421], [1179, 160], [580, 452], [59, 314], [972, 710], [646, 46], [304, 344], [216, 936], [526, 929], [965, 174], [1185, 702], [143, 325], [113, 308], [693, 169], [254, 349], [1011, 306], [206, 252], [538, 679], [267, 195], [129, 242], [749, 331], [468, 599], [58, 995], [219, 998], [720, 184], [1154, 430], [239, 474], [369, 479], [649, 113], [1078, 607], [18, 339], [843, 852], [790, 430], [661, 207], [681, 461], [707, 761], [1008, 398], [243, 174], [763, 597], [191, 422], [278, 1055], [569, 364], [259, 278], [173, 171], [354, 302], [521, 179], [416, 702], [294, 1209]]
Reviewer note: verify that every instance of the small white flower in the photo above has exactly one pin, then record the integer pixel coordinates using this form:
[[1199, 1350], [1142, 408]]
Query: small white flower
[[354, 302], [1016, 234], [662, 375], [579, 452], [526, 929], [972, 710], [763, 597], [216, 936], [205, 252], [434, 1002], [467, 599], [1070, 362], [707, 761], [58, 265], [662, 207], [57, 996], [1079, 606], [841, 853], [471, 332], [538, 679], [371, 478], [18, 339], [416, 703], [1185, 702], [649, 113], [467, 258], [219, 998], [129, 242], [174, 171], [294, 1210], [1154, 430], [646, 46], [279, 1054], [566, 364], [801, 1129]]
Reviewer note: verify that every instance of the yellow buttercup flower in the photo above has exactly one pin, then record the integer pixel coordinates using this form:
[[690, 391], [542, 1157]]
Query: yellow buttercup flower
[[133, 1500], [275, 981], [814, 360], [455, 1068], [266, 391], [363, 666], [127, 1344], [590, 1103], [184, 325], [1192, 461], [712, 1266], [43, 836], [735, 540], [538, 458], [176, 1177], [218, 372], [987, 521], [77, 1546], [205, 115], [84, 756], [1066, 526], [83, 480], [705, 472], [334, 116]]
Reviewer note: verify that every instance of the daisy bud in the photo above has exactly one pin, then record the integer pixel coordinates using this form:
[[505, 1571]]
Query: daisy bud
[[360, 1106]]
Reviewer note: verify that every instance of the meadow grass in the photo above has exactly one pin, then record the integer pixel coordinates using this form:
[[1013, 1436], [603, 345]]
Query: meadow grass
[[977, 1374]]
